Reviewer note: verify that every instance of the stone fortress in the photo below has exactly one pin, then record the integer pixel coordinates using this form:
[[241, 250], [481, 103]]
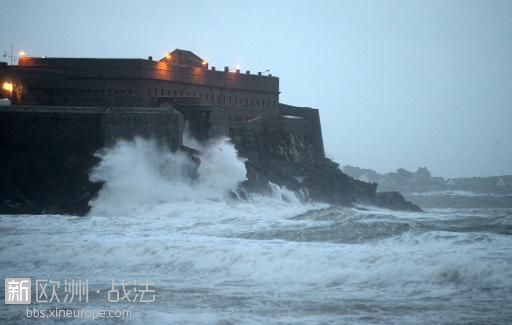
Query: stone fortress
[[214, 103], [63, 110]]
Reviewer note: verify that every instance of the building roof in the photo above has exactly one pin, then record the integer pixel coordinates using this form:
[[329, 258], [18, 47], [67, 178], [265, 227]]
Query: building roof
[[184, 58]]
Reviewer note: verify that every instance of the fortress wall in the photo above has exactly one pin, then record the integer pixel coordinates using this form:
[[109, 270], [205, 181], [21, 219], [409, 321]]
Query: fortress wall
[[145, 69], [137, 82], [163, 124], [47, 152], [307, 124]]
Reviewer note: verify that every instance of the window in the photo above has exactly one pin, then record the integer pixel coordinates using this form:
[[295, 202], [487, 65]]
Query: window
[[156, 92], [149, 92], [258, 102], [230, 99], [175, 93], [168, 92]]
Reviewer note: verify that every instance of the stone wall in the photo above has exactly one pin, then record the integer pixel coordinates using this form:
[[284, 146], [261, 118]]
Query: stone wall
[[47, 152], [138, 82]]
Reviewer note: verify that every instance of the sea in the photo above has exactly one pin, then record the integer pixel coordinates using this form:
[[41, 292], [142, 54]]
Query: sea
[[196, 252]]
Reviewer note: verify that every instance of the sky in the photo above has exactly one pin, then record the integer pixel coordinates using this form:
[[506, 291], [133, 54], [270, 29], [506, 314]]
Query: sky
[[399, 84]]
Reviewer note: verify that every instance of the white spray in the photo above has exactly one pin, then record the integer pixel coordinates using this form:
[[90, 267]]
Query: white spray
[[139, 175]]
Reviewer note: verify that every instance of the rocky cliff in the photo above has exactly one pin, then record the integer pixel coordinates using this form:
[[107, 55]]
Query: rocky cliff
[[288, 158]]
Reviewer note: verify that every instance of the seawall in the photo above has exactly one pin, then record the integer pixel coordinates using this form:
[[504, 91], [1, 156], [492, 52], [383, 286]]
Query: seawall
[[47, 152]]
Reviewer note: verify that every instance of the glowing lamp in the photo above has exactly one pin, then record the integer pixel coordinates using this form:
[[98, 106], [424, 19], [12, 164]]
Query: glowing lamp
[[7, 86], [204, 63], [22, 53], [168, 57]]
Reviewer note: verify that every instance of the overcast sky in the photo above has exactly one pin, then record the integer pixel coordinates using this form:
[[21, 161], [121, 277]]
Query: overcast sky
[[398, 83]]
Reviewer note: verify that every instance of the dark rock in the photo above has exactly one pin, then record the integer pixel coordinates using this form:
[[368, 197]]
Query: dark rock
[[286, 159], [394, 201]]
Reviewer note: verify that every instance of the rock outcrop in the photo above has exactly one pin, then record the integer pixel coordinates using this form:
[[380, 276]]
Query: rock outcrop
[[286, 158]]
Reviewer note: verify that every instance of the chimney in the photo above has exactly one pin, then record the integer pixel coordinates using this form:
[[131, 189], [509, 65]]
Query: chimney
[[213, 68], [248, 72], [150, 58], [226, 69], [237, 70], [259, 73]]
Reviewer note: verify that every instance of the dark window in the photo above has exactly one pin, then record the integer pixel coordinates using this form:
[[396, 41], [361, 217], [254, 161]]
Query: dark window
[[224, 99], [273, 103], [129, 91], [175, 93], [156, 92], [182, 93], [149, 92], [246, 101], [168, 92], [258, 102], [230, 99]]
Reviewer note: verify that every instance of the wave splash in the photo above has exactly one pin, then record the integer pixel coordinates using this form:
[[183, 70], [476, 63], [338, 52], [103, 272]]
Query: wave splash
[[141, 174]]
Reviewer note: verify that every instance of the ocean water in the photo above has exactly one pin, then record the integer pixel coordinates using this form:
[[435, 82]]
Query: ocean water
[[277, 258]]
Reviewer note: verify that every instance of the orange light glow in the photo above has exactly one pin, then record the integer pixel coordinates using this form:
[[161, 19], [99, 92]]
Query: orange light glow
[[205, 62], [7, 86], [22, 53], [168, 57]]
